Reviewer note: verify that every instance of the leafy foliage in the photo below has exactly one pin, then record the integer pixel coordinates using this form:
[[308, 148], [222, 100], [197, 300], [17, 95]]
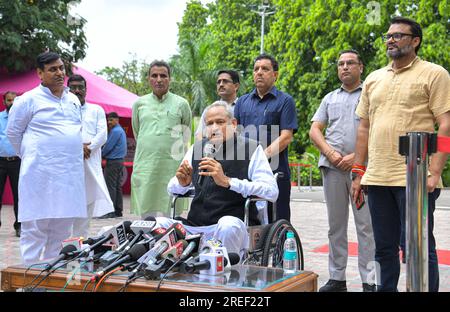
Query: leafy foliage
[[28, 28], [131, 76]]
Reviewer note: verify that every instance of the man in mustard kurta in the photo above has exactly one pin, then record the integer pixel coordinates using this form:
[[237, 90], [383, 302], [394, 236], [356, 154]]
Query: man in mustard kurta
[[159, 120]]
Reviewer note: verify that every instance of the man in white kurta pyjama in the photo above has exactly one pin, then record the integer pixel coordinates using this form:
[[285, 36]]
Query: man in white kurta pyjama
[[94, 134], [44, 128]]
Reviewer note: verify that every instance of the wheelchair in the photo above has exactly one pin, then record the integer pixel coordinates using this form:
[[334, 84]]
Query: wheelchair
[[266, 240]]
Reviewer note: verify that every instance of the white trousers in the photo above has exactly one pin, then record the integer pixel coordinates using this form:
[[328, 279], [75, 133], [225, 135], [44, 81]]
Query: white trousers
[[231, 231], [81, 226], [41, 240]]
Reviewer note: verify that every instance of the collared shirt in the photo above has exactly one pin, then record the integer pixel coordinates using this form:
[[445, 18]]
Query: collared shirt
[[396, 102], [116, 144], [265, 118], [262, 181], [202, 124], [158, 126], [337, 111], [6, 149]]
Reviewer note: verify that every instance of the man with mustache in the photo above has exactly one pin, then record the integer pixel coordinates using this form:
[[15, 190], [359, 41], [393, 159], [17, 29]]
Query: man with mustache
[[407, 95], [227, 87], [336, 113], [159, 121], [239, 169], [269, 116], [9, 161], [94, 133], [44, 128]]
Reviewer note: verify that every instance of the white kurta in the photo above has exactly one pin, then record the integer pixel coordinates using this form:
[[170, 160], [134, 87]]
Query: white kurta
[[45, 131], [95, 132]]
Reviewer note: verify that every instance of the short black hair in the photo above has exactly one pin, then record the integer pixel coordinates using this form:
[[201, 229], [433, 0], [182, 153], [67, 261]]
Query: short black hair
[[352, 51], [233, 74], [8, 92], [76, 78], [46, 58], [112, 115], [415, 28], [159, 64], [268, 57]]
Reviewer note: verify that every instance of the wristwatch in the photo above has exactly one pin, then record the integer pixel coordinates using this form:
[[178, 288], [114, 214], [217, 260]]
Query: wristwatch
[[354, 175]]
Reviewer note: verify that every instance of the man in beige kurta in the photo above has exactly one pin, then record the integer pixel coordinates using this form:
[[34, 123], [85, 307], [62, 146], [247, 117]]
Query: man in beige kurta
[[159, 121]]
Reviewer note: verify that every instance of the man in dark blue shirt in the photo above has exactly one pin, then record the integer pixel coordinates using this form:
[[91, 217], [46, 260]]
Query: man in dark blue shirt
[[114, 151], [269, 116]]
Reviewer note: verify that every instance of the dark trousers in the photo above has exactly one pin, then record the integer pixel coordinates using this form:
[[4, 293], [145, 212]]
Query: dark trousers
[[113, 177], [283, 202], [387, 208], [11, 169]]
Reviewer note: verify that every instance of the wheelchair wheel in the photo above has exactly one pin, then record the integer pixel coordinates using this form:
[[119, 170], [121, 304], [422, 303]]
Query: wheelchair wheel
[[273, 245]]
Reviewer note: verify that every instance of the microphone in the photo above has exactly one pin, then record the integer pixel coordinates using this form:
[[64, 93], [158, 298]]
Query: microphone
[[175, 252], [208, 151], [142, 225], [133, 254], [168, 239], [66, 252], [210, 263]]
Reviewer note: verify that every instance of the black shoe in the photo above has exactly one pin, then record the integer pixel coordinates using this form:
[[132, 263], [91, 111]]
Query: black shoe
[[369, 288], [334, 286], [108, 215], [118, 214], [18, 232]]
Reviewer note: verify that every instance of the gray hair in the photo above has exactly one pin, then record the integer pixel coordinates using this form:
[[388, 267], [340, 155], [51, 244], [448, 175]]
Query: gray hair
[[223, 104]]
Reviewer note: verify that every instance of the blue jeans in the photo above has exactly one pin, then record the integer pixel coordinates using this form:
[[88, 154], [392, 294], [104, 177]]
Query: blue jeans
[[387, 208]]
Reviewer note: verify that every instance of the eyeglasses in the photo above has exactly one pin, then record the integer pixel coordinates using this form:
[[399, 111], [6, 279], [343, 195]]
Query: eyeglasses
[[224, 81], [349, 63], [396, 36]]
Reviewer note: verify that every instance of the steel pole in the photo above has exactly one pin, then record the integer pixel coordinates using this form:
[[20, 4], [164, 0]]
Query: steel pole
[[417, 213], [263, 15]]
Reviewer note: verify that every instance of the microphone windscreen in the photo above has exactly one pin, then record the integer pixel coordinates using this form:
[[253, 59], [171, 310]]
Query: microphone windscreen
[[234, 258], [68, 248], [127, 225], [150, 218], [137, 251]]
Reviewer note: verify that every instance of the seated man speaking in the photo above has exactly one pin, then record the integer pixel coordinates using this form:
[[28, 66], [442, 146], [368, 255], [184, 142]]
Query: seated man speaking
[[238, 170]]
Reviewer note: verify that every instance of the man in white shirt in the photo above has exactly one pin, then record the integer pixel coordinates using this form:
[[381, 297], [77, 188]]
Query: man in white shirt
[[94, 133], [238, 170], [44, 127]]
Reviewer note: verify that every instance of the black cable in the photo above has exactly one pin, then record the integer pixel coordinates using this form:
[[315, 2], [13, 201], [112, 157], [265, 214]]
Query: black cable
[[37, 276], [50, 272], [165, 274]]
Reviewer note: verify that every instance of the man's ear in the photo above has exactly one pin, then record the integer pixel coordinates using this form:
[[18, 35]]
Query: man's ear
[[40, 73]]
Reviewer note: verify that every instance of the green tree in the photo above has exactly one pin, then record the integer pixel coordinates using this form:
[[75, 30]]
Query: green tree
[[192, 78], [28, 28], [131, 76]]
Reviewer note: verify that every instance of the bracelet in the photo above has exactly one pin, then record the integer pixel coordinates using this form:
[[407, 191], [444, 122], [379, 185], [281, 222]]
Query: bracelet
[[356, 166], [358, 169]]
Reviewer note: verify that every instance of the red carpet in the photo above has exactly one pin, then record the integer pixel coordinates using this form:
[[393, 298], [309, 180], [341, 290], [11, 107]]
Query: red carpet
[[443, 255]]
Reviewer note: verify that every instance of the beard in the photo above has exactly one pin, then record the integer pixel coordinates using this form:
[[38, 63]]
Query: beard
[[400, 52]]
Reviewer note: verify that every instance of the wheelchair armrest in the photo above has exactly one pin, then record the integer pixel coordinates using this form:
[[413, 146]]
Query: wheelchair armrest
[[248, 201], [189, 194]]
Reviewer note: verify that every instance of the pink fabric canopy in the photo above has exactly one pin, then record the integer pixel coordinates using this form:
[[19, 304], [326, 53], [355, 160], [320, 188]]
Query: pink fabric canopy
[[99, 91]]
